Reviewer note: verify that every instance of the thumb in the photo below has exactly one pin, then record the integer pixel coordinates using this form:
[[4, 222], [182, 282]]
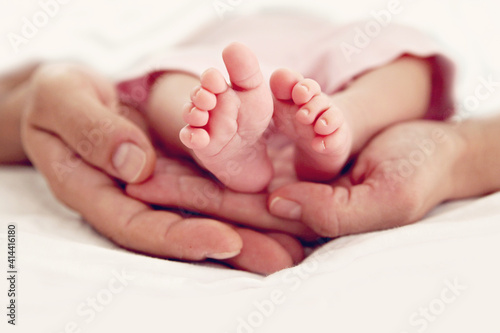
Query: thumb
[[80, 108], [333, 211]]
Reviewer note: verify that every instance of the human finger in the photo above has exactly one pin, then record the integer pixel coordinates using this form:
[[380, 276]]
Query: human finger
[[126, 221], [177, 185], [81, 108], [266, 253], [331, 211]]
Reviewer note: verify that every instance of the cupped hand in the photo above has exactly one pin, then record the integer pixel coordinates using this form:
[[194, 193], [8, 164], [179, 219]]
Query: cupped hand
[[399, 176], [87, 147], [180, 184]]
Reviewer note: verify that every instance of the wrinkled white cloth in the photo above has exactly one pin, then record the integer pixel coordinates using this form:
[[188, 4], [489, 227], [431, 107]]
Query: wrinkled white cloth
[[443, 268]]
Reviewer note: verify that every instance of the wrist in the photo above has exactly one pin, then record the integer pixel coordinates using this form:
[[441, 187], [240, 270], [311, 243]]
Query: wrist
[[11, 109], [478, 163], [14, 91]]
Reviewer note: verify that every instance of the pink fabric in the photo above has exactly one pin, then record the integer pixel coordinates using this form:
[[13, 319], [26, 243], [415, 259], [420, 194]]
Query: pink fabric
[[331, 55]]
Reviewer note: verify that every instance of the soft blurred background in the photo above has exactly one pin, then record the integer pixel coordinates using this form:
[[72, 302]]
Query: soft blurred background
[[112, 35]]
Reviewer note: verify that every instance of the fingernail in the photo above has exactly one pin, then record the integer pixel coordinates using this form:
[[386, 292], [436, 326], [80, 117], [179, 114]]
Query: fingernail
[[129, 160], [222, 255], [285, 208]]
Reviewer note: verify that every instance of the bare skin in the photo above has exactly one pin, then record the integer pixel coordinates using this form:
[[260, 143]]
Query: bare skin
[[221, 126], [329, 129], [13, 92], [66, 105], [401, 175], [226, 123], [464, 164]]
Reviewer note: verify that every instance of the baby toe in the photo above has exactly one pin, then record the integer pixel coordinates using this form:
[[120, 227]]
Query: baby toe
[[203, 99], [336, 143], [194, 138], [242, 66], [328, 122], [304, 90], [213, 81], [194, 116], [309, 112]]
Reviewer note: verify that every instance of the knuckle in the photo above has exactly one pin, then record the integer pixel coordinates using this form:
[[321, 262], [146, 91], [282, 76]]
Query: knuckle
[[47, 81], [324, 215], [54, 75]]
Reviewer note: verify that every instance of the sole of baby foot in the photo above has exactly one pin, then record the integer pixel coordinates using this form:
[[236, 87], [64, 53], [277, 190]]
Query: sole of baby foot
[[315, 122], [226, 122]]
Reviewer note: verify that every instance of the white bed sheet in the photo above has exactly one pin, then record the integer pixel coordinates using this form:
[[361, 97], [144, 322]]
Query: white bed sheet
[[447, 264]]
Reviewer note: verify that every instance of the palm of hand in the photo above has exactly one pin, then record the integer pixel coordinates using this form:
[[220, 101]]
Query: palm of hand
[[398, 177]]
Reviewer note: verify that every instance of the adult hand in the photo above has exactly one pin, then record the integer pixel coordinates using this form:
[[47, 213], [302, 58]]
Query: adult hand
[[13, 91], [178, 183], [79, 138], [399, 176]]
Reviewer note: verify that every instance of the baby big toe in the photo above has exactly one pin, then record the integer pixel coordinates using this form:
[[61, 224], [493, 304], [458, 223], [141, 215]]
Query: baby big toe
[[282, 82]]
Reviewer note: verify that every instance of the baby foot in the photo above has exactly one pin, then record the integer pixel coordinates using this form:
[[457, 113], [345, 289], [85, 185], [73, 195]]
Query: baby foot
[[226, 123], [315, 122]]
